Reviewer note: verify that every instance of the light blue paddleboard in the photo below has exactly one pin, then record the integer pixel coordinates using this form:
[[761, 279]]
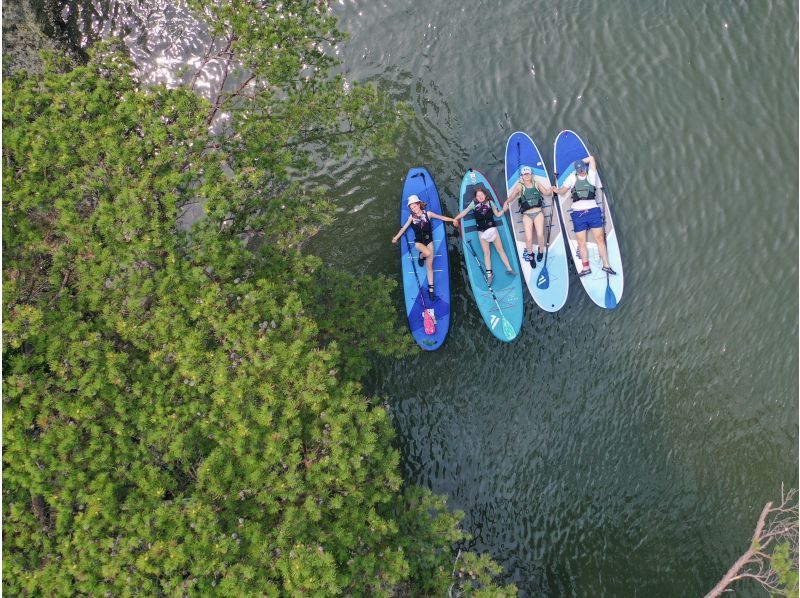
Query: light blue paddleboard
[[501, 305], [415, 277], [549, 281], [604, 290]]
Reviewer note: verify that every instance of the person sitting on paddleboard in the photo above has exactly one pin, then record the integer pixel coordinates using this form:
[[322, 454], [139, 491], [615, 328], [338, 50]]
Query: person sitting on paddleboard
[[530, 194], [420, 221], [586, 214], [484, 213]]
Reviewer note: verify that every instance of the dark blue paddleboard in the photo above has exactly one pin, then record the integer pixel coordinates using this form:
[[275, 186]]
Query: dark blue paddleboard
[[415, 278]]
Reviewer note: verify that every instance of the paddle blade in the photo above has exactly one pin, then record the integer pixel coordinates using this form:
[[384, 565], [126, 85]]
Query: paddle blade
[[543, 281], [611, 299], [508, 330], [429, 321]]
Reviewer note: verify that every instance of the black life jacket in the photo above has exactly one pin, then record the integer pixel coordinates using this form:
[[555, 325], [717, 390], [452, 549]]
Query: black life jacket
[[529, 198], [484, 215], [421, 225], [583, 189]]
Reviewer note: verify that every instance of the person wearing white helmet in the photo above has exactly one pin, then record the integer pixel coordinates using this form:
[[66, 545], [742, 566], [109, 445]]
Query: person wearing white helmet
[[420, 222], [530, 193]]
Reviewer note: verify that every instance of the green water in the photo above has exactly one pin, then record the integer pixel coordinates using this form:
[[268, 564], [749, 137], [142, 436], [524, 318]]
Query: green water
[[621, 453]]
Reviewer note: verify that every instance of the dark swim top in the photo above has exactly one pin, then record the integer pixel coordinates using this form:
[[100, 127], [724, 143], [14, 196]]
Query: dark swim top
[[484, 215], [423, 231]]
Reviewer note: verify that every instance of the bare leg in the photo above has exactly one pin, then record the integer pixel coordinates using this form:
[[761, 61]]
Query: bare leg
[[427, 252], [498, 245], [487, 254], [601, 246], [582, 250], [527, 224], [539, 223]]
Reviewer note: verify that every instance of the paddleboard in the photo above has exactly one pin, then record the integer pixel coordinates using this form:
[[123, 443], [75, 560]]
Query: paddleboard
[[548, 282], [605, 290], [419, 182], [500, 304]]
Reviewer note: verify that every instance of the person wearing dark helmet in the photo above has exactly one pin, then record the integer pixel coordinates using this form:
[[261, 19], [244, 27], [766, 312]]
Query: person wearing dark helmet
[[586, 214]]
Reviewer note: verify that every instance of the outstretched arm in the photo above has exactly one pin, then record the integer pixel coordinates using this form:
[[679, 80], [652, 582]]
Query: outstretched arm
[[396, 238], [442, 218], [463, 213]]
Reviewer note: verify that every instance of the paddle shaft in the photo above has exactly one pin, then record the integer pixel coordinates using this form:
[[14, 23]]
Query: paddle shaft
[[611, 299], [416, 275], [485, 277]]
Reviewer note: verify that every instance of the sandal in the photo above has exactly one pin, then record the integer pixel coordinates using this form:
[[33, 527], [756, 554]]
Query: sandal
[[609, 270], [420, 260], [539, 256], [489, 276], [430, 292], [511, 272], [585, 272]]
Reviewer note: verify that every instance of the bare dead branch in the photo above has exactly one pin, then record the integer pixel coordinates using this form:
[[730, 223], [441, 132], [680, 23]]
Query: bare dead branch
[[775, 525]]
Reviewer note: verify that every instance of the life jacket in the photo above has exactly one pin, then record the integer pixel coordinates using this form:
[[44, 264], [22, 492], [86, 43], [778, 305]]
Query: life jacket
[[423, 233], [484, 215], [530, 198], [583, 189]]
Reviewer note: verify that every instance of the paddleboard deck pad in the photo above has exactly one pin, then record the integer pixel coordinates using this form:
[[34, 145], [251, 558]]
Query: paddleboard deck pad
[[500, 305], [415, 277], [605, 290], [548, 283]]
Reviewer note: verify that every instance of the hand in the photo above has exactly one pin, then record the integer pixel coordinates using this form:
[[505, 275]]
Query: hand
[[455, 222], [394, 240]]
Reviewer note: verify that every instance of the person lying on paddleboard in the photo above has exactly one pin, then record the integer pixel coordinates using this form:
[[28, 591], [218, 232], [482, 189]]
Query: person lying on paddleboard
[[420, 221], [530, 194], [484, 213], [586, 214]]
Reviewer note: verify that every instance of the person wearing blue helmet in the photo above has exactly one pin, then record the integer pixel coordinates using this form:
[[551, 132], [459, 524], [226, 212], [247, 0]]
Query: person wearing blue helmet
[[586, 214]]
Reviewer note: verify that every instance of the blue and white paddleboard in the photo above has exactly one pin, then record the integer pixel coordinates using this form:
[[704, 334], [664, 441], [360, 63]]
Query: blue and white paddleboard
[[415, 278], [500, 304], [549, 281], [605, 290]]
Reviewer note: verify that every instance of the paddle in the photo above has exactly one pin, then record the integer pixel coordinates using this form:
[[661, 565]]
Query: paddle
[[422, 174], [508, 330], [428, 197], [428, 321], [543, 281], [610, 298]]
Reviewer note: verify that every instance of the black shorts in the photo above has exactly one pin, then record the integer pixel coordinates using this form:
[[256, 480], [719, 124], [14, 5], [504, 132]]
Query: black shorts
[[426, 239]]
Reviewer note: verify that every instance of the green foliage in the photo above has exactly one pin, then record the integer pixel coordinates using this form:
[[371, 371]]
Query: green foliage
[[182, 415], [786, 569]]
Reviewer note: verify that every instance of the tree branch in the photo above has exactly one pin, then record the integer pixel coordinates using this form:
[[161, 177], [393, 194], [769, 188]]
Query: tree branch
[[744, 559]]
